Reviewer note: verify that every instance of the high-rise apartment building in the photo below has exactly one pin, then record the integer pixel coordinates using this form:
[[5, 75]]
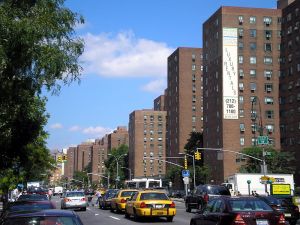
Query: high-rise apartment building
[[159, 103], [118, 137], [241, 52], [290, 81], [71, 163], [147, 130], [84, 155], [183, 98]]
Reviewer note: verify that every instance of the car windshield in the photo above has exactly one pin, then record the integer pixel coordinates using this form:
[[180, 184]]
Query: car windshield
[[42, 221], [154, 196], [127, 193], [29, 206], [249, 205], [74, 194], [111, 193], [220, 190], [32, 198]]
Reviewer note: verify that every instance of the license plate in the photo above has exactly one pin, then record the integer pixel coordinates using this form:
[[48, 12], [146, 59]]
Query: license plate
[[288, 215], [158, 206], [159, 212], [262, 222]]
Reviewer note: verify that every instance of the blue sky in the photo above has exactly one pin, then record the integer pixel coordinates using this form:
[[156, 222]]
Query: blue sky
[[127, 43]]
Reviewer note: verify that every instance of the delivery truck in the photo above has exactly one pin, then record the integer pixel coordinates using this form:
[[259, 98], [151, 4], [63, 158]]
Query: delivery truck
[[257, 183]]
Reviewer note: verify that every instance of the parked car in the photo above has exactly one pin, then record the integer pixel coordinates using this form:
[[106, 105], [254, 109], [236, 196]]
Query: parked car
[[118, 203], [284, 205], [105, 200], [150, 203], [225, 210], [43, 217], [38, 190], [199, 198], [74, 200], [32, 197]]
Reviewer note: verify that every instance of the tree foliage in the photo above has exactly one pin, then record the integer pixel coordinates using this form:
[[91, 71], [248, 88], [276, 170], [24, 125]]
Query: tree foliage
[[38, 48], [277, 161]]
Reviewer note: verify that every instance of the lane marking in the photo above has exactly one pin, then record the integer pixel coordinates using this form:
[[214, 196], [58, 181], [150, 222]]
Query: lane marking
[[116, 218], [96, 214]]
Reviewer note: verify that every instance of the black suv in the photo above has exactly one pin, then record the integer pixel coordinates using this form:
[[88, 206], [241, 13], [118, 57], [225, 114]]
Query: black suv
[[202, 194]]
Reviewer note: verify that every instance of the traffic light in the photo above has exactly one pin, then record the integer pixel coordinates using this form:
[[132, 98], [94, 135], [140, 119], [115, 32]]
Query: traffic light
[[64, 158], [185, 163], [198, 155], [59, 158]]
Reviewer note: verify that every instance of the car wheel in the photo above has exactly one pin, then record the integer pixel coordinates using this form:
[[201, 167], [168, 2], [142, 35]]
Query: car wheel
[[83, 209], [170, 218], [111, 209]]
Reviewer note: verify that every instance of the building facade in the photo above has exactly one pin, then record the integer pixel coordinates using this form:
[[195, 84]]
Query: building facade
[[183, 98], [147, 129], [290, 82], [241, 65]]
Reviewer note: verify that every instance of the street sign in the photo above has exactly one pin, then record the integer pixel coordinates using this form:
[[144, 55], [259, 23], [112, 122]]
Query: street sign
[[186, 180], [185, 173], [263, 140]]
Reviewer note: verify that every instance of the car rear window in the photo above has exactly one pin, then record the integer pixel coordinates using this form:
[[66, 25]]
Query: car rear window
[[42, 221], [75, 194], [32, 197], [249, 205], [127, 193], [154, 196], [30, 206], [221, 190]]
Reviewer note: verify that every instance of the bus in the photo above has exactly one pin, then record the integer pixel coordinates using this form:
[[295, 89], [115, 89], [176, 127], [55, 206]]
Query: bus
[[143, 183]]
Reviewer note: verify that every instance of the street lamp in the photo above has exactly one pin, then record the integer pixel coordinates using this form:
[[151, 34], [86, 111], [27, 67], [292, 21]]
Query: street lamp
[[182, 153], [128, 170], [117, 160]]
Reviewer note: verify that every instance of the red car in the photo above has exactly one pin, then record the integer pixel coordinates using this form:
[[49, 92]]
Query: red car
[[226, 210]]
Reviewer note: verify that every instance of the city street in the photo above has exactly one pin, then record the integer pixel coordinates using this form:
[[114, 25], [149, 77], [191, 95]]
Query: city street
[[94, 215]]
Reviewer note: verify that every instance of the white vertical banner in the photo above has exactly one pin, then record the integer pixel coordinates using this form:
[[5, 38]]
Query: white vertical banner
[[230, 74]]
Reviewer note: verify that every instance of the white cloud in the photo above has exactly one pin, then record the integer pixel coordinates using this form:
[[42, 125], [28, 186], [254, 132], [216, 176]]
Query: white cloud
[[97, 131], [124, 55], [155, 86], [74, 128], [56, 126]]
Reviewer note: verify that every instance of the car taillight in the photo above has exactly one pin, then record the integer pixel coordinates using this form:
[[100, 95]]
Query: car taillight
[[143, 205], [83, 199], [239, 220], [67, 200], [123, 200], [172, 205], [206, 198], [281, 219]]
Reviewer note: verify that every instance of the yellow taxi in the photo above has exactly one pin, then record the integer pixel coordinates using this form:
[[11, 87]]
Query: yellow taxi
[[150, 203], [118, 203]]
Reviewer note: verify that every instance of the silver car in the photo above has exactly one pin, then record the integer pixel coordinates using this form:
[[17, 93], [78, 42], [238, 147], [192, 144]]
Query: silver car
[[74, 200]]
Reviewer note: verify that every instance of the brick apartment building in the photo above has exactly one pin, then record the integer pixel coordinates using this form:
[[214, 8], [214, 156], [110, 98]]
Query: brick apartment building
[[183, 98], [147, 129], [71, 163], [240, 80], [290, 81]]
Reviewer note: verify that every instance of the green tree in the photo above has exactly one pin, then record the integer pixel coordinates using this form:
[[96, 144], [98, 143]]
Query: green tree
[[277, 161], [80, 179], [38, 49], [195, 141]]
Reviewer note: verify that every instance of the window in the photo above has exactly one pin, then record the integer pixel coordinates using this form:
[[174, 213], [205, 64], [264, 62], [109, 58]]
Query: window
[[253, 33], [242, 127], [268, 74], [241, 45], [241, 99], [269, 100], [241, 20], [193, 57], [269, 114], [268, 34], [241, 73], [270, 128], [241, 32], [267, 21], [242, 141], [268, 87], [194, 98], [241, 59], [252, 19], [268, 47], [252, 73], [193, 108], [241, 112], [252, 46], [253, 60], [252, 86], [193, 119], [268, 60], [241, 86], [193, 77], [193, 67], [254, 127]]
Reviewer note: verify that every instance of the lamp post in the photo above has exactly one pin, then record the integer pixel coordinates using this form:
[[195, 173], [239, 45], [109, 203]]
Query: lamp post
[[181, 153], [117, 160], [128, 170]]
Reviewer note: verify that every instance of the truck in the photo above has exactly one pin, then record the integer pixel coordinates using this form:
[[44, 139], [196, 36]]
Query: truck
[[258, 184], [58, 190], [33, 184]]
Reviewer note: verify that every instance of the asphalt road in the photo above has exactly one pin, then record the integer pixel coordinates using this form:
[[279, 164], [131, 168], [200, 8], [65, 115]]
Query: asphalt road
[[94, 215]]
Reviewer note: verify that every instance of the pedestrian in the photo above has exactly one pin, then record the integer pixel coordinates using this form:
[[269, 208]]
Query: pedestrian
[[50, 193], [98, 196]]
